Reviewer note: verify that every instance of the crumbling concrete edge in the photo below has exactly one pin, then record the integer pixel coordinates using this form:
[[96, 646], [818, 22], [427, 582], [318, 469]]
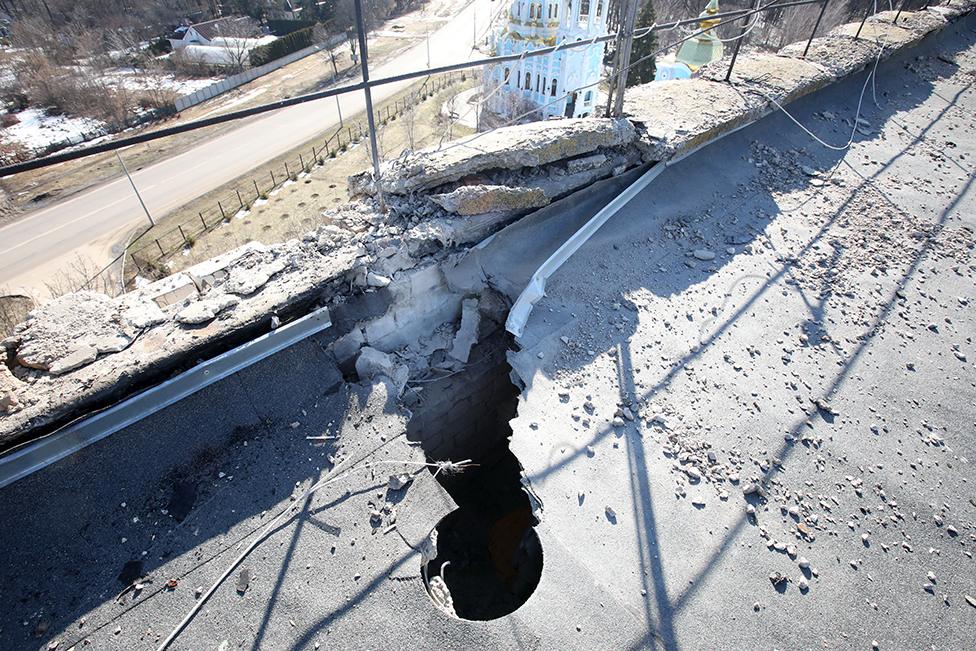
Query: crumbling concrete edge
[[41, 453], [536, 289]]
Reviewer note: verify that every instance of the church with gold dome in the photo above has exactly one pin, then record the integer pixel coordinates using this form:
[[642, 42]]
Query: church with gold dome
[[548, 84]]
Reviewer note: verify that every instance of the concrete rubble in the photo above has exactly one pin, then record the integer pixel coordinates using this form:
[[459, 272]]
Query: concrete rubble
[[481, 199], [510, 148]]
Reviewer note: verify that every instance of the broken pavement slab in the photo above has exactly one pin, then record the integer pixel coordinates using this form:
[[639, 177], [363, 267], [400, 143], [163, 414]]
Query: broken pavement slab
[[72, 326], [511, 148], [481, 199]]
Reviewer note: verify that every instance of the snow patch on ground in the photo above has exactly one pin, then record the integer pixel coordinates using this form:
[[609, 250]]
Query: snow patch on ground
[[37, 130], [249, 95]]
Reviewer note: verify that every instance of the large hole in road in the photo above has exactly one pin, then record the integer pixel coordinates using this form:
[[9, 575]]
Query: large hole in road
[[488, 553]]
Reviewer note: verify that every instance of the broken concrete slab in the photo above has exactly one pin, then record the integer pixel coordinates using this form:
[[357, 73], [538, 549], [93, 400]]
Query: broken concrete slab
[[512, 148], [467, 333], [780, 77], [675, 117], [150, 355], [67, 324], [206, 310], [482, 199], [839, 54]]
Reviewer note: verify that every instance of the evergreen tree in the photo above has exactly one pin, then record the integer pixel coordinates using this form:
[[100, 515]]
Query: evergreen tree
[[643, 72]]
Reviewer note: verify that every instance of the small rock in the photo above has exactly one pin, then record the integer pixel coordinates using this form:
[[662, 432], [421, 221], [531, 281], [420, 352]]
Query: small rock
[[397, 482], [704, 255], [376, 280]]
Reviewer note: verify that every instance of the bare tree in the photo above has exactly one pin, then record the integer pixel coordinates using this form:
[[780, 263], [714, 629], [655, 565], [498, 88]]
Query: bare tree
[[236, 40], [409, 121]]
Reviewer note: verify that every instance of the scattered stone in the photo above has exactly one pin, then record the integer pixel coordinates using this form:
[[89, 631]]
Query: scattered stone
[[397, 482], [243, 580], [704, 255], [376, 280]]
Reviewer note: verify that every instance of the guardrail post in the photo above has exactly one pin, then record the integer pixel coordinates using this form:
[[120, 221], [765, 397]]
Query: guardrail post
[[898, 13], [816, 26], [867, 13], [739, 39]]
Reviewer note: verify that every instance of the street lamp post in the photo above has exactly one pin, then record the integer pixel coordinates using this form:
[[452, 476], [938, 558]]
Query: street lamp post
[[134, 188]]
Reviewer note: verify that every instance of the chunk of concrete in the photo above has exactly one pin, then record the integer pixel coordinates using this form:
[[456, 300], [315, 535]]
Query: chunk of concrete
[[512, 148], [206, 310], [67, 324], [467, 334], [245, 282], [81, 356], [142, 314], [346, 347], [373, 363], [481, 199], [9, 400], [585, 163], [376, 280]]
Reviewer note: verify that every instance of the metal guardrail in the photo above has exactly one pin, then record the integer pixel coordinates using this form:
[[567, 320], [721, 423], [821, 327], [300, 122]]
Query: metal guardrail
[[41, 453]]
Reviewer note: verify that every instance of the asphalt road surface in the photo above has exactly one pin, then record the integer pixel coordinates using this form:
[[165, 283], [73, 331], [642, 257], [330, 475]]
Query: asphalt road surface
[[50, 237]]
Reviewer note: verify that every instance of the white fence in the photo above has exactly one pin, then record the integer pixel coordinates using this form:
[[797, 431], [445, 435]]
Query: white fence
[[251, 74]]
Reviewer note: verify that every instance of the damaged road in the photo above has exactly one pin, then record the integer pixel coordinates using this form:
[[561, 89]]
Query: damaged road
[[748, 399]]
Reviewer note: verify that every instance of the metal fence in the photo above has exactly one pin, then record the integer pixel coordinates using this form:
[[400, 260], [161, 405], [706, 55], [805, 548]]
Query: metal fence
[[150, 247]]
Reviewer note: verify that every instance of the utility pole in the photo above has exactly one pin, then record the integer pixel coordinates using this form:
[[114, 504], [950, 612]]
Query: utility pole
[[134, 188], [361, 30], [624, 46]]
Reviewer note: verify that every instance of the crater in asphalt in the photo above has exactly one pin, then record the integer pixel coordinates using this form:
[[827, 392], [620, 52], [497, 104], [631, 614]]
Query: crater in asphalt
[[488, 552]]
